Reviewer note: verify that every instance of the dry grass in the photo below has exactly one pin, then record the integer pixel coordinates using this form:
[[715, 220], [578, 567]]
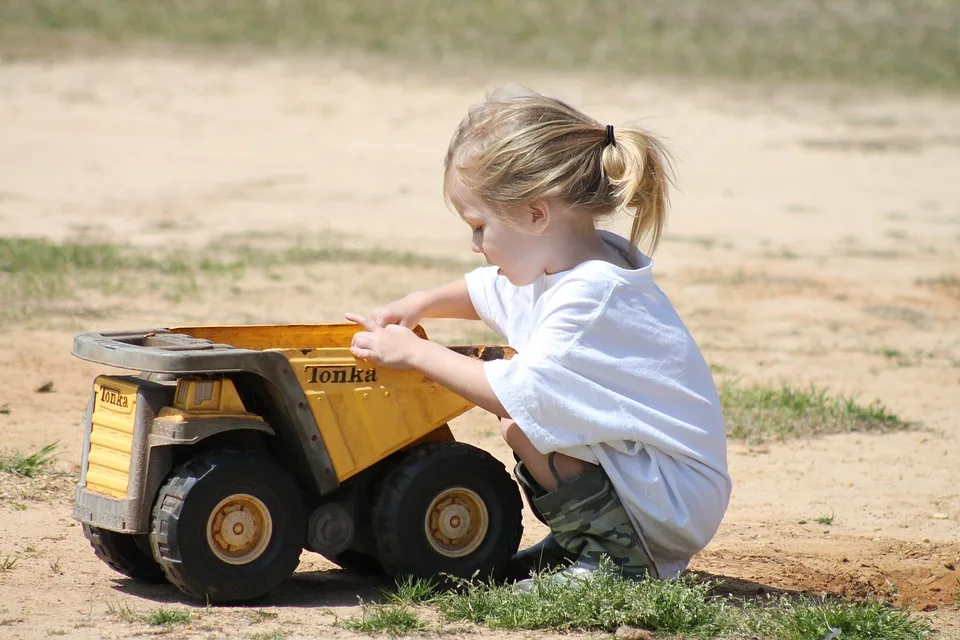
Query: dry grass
[[907, 42]]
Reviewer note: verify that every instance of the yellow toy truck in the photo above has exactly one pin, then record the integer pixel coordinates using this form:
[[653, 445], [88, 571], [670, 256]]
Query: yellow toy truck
[[229, 449]]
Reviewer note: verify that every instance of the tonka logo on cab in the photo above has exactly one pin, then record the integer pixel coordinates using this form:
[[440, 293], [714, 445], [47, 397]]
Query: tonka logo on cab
[[114, 397]]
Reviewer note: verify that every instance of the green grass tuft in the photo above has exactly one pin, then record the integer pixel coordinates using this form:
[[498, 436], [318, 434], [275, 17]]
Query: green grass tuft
[[411, 590], [603, 601], [760, 413], [392, 620], [813, 619], [825, 519], [30, 465], [167, 617]]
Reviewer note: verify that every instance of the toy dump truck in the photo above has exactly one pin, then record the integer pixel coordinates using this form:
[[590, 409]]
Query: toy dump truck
[[229, 449]]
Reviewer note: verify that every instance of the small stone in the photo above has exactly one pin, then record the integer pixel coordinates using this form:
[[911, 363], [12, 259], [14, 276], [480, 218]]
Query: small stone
[[925, 540], [46, 387], [940, 516], [927, 608], [632, 633], [802, 522], [949, 566]]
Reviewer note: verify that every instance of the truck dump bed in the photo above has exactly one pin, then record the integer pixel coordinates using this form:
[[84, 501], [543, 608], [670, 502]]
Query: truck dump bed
[[360, 413]]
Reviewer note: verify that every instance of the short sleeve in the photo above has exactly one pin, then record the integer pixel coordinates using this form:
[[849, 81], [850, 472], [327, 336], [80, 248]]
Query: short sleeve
[[538, 387], [486, 294]]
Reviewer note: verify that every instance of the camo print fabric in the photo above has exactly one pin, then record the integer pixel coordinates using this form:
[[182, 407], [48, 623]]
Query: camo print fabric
[[587, 519]]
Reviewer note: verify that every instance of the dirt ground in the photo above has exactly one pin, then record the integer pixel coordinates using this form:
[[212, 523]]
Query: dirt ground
[[813, 239]]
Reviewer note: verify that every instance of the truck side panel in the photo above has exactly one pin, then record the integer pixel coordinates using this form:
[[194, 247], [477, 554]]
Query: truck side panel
[[365, 413]]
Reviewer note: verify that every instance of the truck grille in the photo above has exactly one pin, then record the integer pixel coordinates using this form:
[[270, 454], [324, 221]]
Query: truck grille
[[111, 437]]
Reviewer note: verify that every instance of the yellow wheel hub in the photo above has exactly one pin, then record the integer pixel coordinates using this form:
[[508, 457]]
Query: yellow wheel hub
[[239, 529], [456, 522]]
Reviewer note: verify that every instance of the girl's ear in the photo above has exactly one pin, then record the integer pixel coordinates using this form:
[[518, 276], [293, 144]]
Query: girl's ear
[[539, 212]]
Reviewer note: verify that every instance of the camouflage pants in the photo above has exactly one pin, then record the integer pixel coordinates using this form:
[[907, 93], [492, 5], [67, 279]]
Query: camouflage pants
[[587, 519]]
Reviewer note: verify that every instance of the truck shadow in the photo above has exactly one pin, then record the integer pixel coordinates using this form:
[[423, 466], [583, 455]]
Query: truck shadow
[[326, 588]]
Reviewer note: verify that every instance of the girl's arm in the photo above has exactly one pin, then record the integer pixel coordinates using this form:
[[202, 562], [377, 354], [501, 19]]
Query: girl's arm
[[459, 373], [397, 347], [451, 300]]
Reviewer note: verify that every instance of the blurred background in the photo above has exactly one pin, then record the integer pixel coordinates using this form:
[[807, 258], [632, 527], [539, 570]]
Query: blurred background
[[909, 43], [183, 162]]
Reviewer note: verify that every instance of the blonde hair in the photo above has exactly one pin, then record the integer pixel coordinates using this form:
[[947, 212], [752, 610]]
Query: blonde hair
[[509, 151]]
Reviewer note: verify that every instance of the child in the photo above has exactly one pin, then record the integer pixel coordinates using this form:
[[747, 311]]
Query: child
[[608, 404]]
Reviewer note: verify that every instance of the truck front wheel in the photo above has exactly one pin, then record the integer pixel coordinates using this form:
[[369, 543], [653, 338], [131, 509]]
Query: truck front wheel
[[127, 553], [228, 526]]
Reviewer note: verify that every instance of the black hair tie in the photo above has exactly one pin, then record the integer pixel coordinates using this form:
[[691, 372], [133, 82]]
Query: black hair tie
[[610, 139]]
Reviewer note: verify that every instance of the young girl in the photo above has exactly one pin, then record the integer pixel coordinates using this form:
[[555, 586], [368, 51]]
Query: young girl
[[608, 404]]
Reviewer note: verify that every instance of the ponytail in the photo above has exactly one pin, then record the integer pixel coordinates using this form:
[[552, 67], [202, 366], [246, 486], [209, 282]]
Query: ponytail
[[638, 169]]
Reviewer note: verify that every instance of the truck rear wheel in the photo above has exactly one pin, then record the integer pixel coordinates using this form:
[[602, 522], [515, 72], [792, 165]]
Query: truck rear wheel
[[228, 526], [127, 553], [448, 508]]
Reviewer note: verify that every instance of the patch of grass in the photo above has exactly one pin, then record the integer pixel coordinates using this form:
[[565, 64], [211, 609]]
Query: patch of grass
[[276, 634], [8, 563], [36, 271], [762, 412], [301, 254], [55, 566], [260, 615], [908, 42], [806, 619], [124, 612], [393, 620], [30, 465], [411, 590], [683, 607], [167, 617], [4, 409], [603, 601], [825, 519], [946, 283]]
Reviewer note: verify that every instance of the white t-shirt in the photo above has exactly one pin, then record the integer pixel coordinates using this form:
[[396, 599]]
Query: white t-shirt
[[606, 372]]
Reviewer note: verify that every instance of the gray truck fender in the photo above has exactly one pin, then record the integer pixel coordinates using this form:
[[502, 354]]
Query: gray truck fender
[[168, 432]]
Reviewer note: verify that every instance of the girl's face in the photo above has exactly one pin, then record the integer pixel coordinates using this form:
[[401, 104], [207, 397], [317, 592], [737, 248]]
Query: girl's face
[[512, 245]]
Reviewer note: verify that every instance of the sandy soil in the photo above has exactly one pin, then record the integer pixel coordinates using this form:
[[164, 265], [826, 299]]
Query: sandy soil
[[805, 227]]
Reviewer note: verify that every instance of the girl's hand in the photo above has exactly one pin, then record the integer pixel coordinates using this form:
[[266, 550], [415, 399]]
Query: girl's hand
[[406, 312], [392, 346]]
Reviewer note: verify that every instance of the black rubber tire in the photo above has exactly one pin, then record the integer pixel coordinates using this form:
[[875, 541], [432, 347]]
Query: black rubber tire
[[180, 515], [124, 553], [407, 492], [358, 562]]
